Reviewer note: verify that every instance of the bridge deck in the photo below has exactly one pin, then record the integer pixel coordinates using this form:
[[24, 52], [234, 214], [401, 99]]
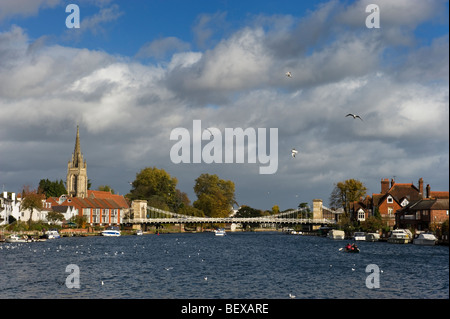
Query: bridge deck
[[228, 220]]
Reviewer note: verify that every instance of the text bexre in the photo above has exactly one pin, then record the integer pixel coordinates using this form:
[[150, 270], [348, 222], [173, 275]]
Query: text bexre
[[212, 151], [230, 308]]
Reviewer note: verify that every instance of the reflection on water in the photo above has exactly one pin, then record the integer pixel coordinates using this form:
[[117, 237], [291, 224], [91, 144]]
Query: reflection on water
[[240, 265]]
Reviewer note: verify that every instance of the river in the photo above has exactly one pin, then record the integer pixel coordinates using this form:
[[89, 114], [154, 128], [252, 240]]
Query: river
[[259, 265]]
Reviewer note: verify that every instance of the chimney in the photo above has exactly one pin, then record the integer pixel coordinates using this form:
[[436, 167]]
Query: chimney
[[384, 185], [428, 191], [421, 186], [392, 182]]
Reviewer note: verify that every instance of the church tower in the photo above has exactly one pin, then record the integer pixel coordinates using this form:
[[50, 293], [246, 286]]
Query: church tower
[[77, 180]]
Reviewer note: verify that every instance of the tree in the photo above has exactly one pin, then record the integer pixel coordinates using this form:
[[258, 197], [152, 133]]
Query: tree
[[347, 192], [158, 188], [55, 216], [51, 189], [215, 195], [106, 188], [306, 210], [31, 200]]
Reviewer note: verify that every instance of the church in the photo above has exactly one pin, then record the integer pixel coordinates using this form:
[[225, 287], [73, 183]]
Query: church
[[98, 207]]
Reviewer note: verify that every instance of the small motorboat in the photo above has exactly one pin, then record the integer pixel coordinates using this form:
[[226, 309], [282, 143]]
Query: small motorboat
[[400, 236], [16, 239], [111, 232], [220, 232], [52, 234], [425, 240], [336, 234], [359, 236], [139, 232]]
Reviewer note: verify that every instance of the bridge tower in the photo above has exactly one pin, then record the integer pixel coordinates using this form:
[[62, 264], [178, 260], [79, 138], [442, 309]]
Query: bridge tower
[[317, 208]]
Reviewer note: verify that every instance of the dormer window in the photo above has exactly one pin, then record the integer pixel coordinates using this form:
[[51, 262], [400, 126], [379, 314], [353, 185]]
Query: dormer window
[[404, 202], [390, 200]]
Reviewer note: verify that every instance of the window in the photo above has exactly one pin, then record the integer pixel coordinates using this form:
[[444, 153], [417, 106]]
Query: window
[[390, 200], [105, 216], [96, 215], [113, 216], [390, 211], [87, 214], [404, 202], [361, 215]]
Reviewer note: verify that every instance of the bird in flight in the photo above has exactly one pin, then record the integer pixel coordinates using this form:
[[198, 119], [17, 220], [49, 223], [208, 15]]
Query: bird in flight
[[289, 74], [294, 152], [354, 116]]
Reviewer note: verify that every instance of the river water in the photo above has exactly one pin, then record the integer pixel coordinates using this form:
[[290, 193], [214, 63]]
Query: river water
[[260, 265]]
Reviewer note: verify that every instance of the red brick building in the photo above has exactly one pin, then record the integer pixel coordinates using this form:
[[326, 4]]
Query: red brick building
[[395, 196]]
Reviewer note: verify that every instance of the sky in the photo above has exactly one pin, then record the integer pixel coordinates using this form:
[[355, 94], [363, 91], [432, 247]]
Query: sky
[[135, 71]]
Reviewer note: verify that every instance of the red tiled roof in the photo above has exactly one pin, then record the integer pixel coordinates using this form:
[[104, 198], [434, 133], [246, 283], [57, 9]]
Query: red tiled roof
[[117, 199], [439, 195]]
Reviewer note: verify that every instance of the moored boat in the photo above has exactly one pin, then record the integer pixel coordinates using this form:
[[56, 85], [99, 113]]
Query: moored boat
[[359, 236], [111, 232], [16, 239], [372, 237], [52, 234], [220, 232], [336, 234], [425, 240], [400, 236]]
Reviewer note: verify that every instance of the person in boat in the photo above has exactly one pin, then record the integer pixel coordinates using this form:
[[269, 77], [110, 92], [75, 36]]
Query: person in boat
[[354, 247], [348, 247]]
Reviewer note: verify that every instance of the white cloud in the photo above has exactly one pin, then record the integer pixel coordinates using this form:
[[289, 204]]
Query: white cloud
[[127, 109]]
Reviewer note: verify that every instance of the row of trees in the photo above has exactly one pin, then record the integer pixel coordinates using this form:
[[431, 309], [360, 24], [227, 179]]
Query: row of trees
[[215, 196]]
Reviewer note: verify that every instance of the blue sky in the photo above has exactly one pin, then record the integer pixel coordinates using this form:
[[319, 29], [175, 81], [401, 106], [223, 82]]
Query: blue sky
[[136, 70]]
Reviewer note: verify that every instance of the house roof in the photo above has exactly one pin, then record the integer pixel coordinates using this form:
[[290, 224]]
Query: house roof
[[441, 195], [399, 191], [426, 204], [117, 199]]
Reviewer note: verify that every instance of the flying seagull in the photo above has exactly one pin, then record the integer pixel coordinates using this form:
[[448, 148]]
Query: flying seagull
[[354, 116], [294, 152], [288, 74]]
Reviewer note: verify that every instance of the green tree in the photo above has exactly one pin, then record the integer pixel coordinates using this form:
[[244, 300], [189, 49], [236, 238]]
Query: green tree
[[51, 189], [347, 192], [215, 196], [55, 216], [306, 212], [31, 200], [157, 187], [106, 188]]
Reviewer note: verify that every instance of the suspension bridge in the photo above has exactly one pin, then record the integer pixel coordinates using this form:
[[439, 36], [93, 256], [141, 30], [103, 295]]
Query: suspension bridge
[[293, 217]]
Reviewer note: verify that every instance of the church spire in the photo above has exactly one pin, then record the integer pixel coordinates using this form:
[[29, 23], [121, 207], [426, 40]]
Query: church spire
[[77, 171], [77, 156]]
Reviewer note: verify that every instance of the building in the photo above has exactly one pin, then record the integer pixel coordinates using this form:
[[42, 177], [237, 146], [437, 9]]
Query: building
[[394, 197], [77, 180], [361, 210], [99, 208], [424, 213]]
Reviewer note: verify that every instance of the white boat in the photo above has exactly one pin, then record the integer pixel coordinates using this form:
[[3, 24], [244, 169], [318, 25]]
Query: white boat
[[359, 236], [336, 234], [15, 239], [220, 232], [425, 239], [139, 232], [111, 232], [52, 234], [400, 236], [372, 237]]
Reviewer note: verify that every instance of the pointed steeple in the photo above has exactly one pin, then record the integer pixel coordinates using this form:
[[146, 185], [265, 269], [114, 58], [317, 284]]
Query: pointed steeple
[[77, 156], [77, 171]]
